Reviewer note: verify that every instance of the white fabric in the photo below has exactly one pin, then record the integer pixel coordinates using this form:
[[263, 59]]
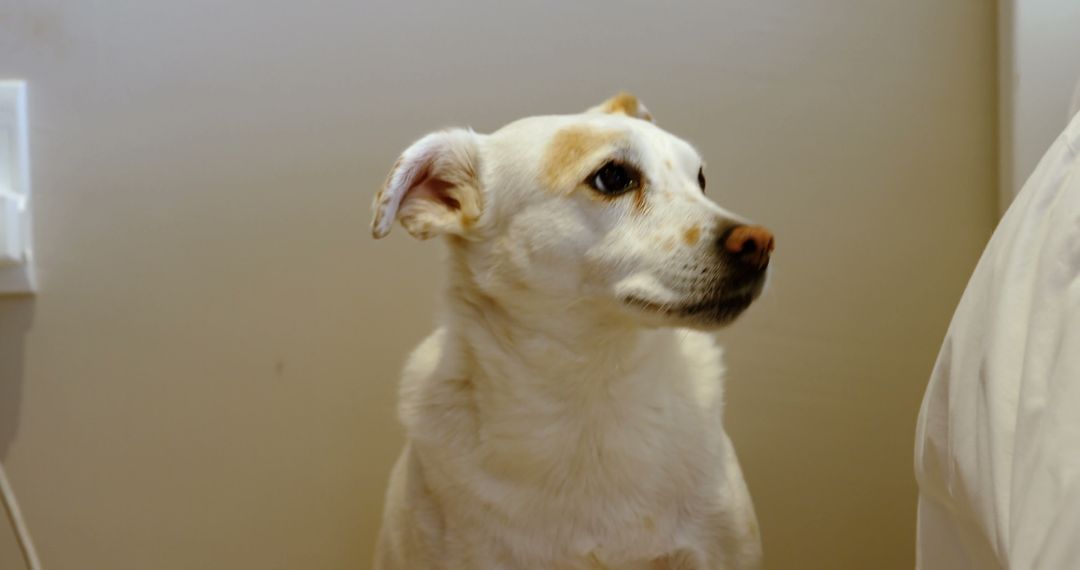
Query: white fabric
[[998, 444]]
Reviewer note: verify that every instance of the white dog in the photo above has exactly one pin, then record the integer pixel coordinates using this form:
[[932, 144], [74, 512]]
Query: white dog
[[560, 418]]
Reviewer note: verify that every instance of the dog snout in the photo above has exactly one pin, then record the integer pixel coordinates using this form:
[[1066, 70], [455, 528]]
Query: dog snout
[[749, 246]]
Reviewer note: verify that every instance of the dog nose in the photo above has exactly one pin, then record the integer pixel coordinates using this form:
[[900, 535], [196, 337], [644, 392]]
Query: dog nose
[[750, 245]]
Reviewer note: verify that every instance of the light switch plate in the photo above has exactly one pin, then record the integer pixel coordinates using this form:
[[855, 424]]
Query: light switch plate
[[16, 267]]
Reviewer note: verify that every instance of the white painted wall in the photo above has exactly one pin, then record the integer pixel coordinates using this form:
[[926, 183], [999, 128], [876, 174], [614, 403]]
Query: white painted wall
[[206, 378], [1040, 59]]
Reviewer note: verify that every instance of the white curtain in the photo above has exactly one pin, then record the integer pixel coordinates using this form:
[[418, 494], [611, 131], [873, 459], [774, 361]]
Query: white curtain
[[998, 443]]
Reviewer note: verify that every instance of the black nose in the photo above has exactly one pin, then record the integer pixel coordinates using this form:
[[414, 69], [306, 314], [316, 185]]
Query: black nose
[[751, 246]]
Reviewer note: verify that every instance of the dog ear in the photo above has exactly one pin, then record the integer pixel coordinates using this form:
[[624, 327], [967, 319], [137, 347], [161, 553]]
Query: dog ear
[[626, 104], [433, 187]]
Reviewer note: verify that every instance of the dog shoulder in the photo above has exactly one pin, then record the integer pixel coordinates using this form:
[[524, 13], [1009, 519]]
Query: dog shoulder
[[437, 393], [426, 358], [427, 361]]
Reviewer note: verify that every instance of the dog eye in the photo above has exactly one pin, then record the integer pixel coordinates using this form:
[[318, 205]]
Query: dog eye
[[614, 178], [701, 178]]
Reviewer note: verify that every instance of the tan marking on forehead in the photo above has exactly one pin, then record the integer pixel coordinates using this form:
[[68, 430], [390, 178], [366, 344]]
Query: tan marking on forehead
[[668, 164], [626, 104], [566, 155], [692, 235]]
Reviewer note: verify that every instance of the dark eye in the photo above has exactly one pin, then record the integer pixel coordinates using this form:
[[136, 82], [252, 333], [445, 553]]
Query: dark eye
[[701, 178], [614, 178]]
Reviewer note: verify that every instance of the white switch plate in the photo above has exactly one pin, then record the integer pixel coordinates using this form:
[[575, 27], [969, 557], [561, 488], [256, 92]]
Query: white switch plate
[[16, 268]]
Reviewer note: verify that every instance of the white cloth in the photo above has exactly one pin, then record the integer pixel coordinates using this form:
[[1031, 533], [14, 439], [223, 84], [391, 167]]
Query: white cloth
[[998, 444]]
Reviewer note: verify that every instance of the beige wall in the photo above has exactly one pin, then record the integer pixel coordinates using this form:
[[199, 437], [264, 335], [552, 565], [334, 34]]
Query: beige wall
[[1040, 71], [206, 378]]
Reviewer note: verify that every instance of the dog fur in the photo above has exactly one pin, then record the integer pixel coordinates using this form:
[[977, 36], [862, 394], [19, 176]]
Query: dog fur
[[567, 413]]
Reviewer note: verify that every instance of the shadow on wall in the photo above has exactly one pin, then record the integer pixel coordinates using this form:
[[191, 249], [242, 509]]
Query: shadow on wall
[[16, 316]]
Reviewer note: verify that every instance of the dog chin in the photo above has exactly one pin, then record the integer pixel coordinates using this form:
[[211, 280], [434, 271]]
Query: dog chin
[[708, 313]]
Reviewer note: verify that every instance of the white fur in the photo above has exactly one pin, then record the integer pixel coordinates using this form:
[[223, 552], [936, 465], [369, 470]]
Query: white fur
[[551, 423]]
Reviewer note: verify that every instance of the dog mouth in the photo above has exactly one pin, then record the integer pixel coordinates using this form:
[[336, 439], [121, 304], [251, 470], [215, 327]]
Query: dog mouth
[[717, 311]]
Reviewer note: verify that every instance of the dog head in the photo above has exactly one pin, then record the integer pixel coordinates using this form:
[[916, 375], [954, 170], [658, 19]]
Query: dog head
[[601, 209]]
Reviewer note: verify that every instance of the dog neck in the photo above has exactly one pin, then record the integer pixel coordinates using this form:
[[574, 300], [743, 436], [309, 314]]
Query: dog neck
[[549, 346], [548, 388]]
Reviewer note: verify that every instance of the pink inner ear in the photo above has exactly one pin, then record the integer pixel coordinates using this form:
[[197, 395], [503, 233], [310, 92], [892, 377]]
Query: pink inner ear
[[434, 189]]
